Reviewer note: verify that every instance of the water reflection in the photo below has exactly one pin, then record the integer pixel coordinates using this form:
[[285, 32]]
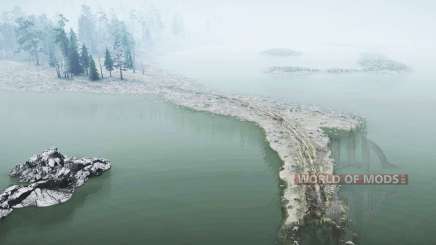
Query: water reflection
[[42, 218], [356, 154], [355, 151], [207, 179]]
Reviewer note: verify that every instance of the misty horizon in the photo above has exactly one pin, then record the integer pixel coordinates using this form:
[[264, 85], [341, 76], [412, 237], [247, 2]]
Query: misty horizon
[[368, 24]]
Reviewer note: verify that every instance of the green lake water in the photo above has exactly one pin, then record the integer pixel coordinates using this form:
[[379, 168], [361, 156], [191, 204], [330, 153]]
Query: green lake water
[[184, 177], [400, 114], [178, 176]]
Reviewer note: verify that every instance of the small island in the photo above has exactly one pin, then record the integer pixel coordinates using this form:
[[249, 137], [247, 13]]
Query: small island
[[51, 179]]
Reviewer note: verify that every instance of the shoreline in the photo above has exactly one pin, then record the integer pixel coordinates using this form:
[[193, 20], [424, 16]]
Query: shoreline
[[295, 132]]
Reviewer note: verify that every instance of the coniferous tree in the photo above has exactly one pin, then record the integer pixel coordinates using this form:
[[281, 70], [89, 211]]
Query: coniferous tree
[[129, 60], [93, 73], [48, 41], [108, 62], [84, 59], [73, 56], [125, 43]]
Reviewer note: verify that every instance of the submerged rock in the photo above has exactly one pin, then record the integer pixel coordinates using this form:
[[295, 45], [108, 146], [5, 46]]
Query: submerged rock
[[52, 179]]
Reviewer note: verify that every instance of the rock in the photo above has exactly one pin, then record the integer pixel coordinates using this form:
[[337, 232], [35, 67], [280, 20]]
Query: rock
[[52, 179], [349, 243]]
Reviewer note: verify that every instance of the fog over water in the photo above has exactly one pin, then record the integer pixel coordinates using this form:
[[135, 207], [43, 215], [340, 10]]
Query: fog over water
[[221, 44]]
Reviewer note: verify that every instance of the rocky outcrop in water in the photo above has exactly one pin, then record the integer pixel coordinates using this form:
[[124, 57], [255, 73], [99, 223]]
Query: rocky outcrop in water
[[52, 179]]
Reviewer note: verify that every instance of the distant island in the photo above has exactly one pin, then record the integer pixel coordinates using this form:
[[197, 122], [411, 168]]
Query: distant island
[[281, 52], [366, 63]]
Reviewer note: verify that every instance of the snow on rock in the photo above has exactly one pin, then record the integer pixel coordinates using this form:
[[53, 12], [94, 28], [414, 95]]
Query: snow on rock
[[52, 179]]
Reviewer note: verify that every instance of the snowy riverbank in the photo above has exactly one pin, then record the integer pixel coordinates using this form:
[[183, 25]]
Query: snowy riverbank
[[294, 132]]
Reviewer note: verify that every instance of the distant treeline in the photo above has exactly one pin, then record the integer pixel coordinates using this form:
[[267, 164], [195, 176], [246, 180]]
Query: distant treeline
[[99, 41]]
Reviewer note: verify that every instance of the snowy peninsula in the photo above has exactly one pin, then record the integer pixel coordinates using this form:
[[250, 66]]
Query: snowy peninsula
[[297, 133]]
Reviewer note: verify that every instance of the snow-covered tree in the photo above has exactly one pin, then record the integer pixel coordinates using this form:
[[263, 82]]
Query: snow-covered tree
[[93, 73], [46, 40], [84, 59], [73, 55], [125, 40], [108, 62]]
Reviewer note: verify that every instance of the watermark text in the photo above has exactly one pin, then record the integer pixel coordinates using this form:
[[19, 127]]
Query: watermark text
[[351, 179]]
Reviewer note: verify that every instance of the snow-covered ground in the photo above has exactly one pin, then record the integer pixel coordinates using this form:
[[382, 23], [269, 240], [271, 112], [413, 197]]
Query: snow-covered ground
[[295, 132]]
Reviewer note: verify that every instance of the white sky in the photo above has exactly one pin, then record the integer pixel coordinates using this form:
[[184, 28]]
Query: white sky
[[278, 22]]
